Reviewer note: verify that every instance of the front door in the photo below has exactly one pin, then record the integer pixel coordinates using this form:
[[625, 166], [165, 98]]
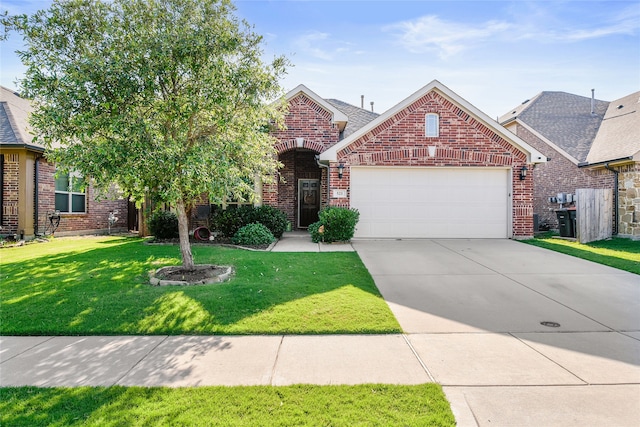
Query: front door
[[308, 201]]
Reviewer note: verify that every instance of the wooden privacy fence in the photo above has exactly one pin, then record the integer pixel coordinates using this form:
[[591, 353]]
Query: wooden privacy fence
[[594, 214]]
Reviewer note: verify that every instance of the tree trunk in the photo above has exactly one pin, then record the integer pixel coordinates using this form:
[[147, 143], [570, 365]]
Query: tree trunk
[[183, 232]]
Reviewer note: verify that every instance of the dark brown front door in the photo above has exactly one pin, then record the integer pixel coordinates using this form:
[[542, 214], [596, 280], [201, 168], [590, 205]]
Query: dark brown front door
[[308, 201]]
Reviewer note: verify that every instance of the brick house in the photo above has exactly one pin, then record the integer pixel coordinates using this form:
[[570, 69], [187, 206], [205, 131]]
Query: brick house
[[616, 149], [31, 192], [432, 166], [589, 143]]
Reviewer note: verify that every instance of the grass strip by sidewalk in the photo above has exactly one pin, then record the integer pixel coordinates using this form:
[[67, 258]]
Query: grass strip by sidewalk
[[299, 405], [99, 286], [623, 254]]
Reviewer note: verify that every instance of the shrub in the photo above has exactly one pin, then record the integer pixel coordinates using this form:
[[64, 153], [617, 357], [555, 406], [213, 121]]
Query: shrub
[[275, 220], [335, 225], [253, 235], [314, 230], [163, 224], [229, 221]]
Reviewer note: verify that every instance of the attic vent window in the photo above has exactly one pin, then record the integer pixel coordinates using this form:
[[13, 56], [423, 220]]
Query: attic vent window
[[620, 107], [432, 125]]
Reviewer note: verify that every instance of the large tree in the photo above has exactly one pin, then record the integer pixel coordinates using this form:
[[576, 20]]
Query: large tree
[[165, 98]]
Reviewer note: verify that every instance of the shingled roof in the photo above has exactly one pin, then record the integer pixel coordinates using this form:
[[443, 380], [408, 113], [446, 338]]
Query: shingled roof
[[358, 117], [14, 120], [562, 118], [619, 134]]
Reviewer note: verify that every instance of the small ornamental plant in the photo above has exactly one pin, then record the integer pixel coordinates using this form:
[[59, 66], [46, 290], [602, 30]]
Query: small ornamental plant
[[253, 235], [335, 224]]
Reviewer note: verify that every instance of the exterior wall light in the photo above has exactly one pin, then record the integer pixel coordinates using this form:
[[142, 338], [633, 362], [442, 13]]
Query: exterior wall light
[[523, 173], [340, 170]]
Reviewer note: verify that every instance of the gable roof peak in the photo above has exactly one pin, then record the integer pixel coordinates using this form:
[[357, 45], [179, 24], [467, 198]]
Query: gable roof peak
[[533, 155], [338, 116]]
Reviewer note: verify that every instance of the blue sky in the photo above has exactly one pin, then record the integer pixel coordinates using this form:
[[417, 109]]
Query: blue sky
[[495, 54]]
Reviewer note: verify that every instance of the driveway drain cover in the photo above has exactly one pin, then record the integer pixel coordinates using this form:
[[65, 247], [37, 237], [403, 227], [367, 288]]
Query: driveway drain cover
[[550, 324]]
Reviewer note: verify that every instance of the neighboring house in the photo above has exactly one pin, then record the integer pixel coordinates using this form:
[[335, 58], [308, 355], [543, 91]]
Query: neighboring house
[[616, 148], [433, 166], [565, 127], [31, 193]]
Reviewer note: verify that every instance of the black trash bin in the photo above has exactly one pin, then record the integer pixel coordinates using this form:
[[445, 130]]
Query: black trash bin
[[566, 222], [572, 220]]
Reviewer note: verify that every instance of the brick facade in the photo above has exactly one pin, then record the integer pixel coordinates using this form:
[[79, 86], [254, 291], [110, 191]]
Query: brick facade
[[313, 123], [463, 141], [10, 179], [95, 219], [558, 175]]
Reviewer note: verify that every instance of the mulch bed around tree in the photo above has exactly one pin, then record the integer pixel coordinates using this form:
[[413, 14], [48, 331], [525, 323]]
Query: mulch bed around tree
[[219, 241]]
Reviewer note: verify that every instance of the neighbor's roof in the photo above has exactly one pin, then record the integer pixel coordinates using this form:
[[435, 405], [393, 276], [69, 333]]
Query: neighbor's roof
[[14, 120], [563, 119], [357, 117], [533, 155], [619, 134]]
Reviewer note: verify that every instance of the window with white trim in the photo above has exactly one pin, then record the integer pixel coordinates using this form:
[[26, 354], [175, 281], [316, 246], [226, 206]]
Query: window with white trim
[[432, 125], [70, 193]]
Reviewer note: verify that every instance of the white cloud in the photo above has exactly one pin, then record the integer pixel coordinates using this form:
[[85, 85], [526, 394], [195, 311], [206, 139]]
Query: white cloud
[[322, 46], [627, 23], [447, 38], [430, 33]]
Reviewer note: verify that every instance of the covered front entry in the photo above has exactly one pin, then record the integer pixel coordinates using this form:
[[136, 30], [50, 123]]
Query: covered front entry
[[431, 202], [299, 187]]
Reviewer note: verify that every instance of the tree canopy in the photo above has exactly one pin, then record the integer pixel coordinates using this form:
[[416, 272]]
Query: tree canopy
[[166, 98]]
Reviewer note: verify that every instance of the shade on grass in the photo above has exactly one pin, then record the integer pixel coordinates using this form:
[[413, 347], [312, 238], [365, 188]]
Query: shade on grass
[[301, 405], [620, 253], [99, 285]]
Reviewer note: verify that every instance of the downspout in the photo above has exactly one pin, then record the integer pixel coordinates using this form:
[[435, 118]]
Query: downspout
[[615, 197], [36, 173], [320, 165]]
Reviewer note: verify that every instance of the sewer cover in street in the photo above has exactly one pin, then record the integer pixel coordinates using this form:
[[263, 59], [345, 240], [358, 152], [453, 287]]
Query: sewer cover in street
[[550, 324]]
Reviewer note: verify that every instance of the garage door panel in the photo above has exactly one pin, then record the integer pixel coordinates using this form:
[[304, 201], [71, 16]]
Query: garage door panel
[[430, 202]]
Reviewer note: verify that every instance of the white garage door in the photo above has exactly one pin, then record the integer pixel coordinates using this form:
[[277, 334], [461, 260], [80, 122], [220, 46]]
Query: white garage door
[[415, 202]]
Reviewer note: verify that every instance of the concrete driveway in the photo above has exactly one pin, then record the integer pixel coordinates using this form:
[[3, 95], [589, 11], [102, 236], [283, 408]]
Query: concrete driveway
[[517, 335]]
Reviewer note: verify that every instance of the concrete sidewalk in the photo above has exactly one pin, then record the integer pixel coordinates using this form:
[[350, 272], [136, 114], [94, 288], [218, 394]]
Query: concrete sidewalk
[[489, 379], [300, 241]]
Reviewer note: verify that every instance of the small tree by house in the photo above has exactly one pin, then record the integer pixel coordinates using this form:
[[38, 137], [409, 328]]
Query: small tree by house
[[166, 98]]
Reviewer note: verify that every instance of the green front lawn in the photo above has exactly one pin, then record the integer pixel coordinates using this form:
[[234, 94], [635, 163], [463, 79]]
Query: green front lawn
[[623, 254], [301, 405], [99, 286]]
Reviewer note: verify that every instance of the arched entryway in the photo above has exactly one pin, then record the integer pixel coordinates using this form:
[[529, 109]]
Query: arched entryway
[[299, 189]]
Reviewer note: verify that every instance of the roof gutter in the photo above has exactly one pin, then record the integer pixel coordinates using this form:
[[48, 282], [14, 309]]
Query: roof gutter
[[509, 120], [30, 147], [605, 163]]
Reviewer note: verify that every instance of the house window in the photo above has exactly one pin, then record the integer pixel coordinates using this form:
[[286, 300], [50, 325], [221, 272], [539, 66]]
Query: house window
[[70, 193], [432, 125]]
